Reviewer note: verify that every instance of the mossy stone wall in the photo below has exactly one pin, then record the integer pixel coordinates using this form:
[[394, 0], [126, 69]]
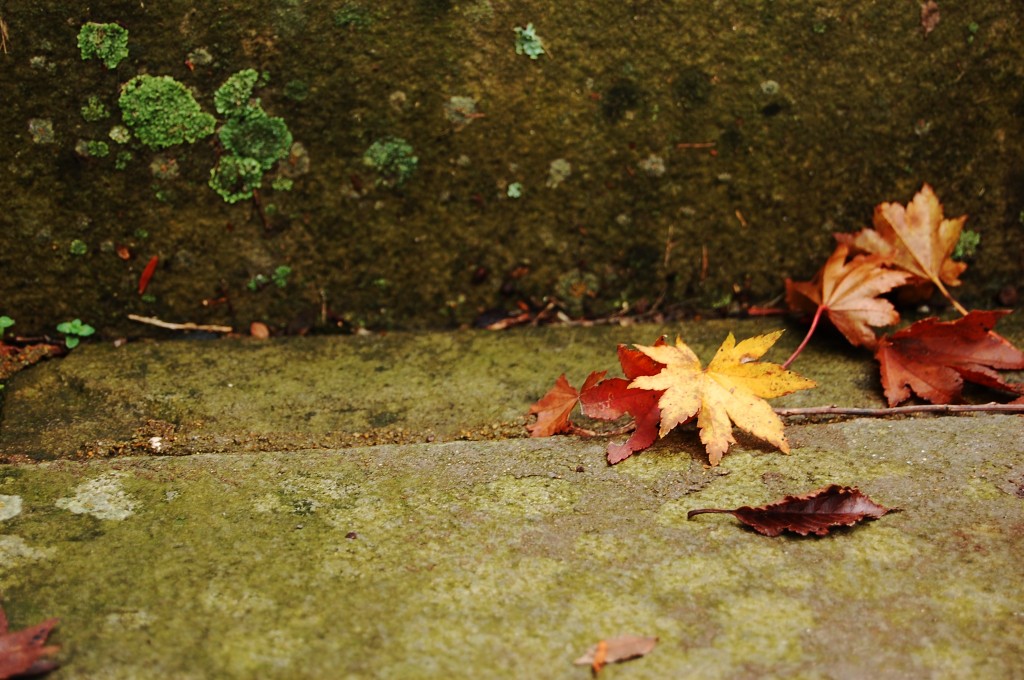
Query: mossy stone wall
[[692, 152]]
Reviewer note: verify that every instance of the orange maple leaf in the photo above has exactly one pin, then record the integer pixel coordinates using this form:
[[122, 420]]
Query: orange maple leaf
[[553, 409], [915, 239], [848, 290], [730, 390], [933, 358]]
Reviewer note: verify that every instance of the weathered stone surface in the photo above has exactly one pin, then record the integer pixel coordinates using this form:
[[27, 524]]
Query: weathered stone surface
[[487, 559], [247, 395]]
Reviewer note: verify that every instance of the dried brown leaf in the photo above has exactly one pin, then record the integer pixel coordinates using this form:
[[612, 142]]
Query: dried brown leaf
[[813, 513]]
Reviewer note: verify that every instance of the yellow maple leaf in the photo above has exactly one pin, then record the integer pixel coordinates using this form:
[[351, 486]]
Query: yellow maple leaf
[[730, 390]]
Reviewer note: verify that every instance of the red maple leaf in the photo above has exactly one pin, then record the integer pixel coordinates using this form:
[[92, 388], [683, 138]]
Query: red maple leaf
[[613, 398], [553, 409], [22, 653], [933, 358], [813, 513]]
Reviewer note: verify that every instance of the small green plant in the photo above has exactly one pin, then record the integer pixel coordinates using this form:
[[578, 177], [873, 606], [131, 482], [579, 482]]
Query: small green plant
[[78, 247], [392, 158], [528, 42], [280, 276], [74, 331], [5, 323], [162, 112], [257, 282], [106, 42], [515, 190]]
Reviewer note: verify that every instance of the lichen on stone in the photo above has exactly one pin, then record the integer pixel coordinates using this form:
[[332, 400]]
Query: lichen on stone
[[101, 497], [106, 42], [10, 506], [162, 112]]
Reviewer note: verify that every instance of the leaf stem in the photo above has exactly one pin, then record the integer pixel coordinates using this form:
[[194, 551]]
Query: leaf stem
[[991, 407], [810, 332], [942, 289]]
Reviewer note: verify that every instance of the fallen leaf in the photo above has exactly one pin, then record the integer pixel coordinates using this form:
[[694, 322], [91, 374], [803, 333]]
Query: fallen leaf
[[614, 650], [915, 239], [933, 358], [730, 390], [613, 398], [813, 513], [847, 291], [259, 330], [22, 653], [553, 409]]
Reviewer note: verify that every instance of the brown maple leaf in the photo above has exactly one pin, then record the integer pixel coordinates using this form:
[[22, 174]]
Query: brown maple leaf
[[730, 390], [847, 290], [933, 358], [813, 513], [613, 398], [22, 653], [553, 409], [915, 239]]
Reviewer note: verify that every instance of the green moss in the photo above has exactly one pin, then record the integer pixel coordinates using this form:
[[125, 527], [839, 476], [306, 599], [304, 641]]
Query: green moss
[[232, 98], [967, 244], [162, 112], [393, 160], [92, 148], [257, 136], [106, 42], [78, 247], [235, 177], [95, 110]]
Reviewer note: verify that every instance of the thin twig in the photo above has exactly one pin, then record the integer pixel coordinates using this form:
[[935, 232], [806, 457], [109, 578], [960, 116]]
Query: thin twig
[[189, 326], [991, 407]]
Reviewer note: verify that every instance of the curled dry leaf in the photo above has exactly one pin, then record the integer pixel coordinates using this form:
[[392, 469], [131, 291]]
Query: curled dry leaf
[[22, 653], [813, 513], [730, 390], [916, 239], [933, 358], [614, 650], [848, 290]]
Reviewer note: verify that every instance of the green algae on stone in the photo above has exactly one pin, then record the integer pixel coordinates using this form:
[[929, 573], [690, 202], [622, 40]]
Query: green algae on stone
[[106, 42], [95, 110], [253, 134], [162, 112], [232, 98], [393, 159], [234, 178]]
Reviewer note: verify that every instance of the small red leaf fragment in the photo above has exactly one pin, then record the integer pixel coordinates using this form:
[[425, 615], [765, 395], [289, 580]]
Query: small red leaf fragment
[[813, 513], [615, 650], [929, 16], [147, 273], [22, 653], [259, 330]]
